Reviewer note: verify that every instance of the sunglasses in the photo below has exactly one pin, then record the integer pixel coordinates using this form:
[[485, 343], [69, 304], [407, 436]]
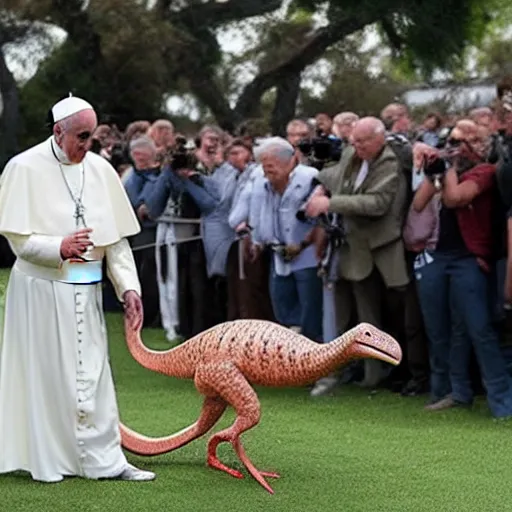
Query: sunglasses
[[83, 136]]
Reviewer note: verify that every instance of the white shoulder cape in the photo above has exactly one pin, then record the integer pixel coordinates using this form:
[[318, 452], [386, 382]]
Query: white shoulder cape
[[34, 198]]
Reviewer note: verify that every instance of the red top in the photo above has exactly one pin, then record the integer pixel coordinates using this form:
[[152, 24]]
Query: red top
[[475, 219]]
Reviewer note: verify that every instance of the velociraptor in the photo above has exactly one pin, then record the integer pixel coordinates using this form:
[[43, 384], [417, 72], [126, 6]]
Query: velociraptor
[[226, 360]]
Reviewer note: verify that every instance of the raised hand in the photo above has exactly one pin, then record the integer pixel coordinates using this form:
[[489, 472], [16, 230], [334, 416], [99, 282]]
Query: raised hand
[[74, 245]]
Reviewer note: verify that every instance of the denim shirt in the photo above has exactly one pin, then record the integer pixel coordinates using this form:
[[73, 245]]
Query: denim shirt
[[240, 208], [274, 218], [170, 184], [137, 185], [218, 235]]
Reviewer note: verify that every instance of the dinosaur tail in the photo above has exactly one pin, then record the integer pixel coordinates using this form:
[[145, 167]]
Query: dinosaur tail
[[141, 445], [150, 446]]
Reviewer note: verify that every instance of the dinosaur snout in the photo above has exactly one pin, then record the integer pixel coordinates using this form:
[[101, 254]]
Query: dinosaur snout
[[371, 342]]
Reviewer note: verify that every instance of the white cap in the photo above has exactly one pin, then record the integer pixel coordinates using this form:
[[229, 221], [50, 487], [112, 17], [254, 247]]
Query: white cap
[[69, 106]]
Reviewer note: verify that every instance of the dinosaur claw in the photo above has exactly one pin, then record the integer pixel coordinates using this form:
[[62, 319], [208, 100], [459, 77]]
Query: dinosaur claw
[[215, 463], [269, 474]]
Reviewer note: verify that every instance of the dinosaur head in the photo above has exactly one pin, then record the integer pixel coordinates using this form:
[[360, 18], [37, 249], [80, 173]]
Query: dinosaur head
[[370, 342]]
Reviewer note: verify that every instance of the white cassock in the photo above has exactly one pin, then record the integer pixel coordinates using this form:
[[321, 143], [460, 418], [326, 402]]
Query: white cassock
[[58, 409]]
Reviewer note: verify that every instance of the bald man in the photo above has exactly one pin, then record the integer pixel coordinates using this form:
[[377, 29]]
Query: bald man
[[64, 212], [368, 191]]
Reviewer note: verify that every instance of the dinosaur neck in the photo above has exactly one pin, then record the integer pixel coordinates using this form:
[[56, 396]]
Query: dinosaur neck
[[333, 355], [157, 361]]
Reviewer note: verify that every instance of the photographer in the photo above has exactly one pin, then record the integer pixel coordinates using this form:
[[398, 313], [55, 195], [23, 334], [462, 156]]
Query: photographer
[[454, 279], [177, 199], [368, 192], [295, 288], [296, 131]]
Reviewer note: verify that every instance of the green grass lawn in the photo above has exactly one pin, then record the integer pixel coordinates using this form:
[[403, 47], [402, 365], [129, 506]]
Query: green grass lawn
[[349, 452]]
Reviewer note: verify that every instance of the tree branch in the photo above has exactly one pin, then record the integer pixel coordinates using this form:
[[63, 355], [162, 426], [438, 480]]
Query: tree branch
[[207, 91], [307, 54], [288, 90], [396, 41], [74, 19]]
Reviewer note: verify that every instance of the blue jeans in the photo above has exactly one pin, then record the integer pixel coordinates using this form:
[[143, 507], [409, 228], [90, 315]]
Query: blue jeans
[[498, 290], [455, 300], [297, 300]]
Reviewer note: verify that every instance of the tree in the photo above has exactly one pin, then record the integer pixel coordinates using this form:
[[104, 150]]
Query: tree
[[13, 31], [351, 81], [127, 56]]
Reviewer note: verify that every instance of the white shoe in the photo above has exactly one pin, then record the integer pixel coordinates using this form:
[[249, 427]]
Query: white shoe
[[324, 385], [131, 473], [171, 334]]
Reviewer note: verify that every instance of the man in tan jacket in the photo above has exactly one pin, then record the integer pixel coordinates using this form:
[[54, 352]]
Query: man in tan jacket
[[368, 191]]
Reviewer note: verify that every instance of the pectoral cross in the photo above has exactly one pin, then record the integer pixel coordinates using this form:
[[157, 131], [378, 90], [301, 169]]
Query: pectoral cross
[[80, 214]]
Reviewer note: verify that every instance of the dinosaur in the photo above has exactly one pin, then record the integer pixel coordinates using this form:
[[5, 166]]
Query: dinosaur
[[226, 360]]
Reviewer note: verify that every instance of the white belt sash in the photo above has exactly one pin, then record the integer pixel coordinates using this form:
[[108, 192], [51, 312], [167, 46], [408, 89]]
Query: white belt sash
[[86, 272]]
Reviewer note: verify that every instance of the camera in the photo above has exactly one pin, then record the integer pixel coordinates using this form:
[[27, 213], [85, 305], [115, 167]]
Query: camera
[[320, 150], [333, 229], [182, 156]]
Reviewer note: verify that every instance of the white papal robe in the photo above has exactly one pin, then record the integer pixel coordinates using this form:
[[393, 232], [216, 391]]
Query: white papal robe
[[58, 409]]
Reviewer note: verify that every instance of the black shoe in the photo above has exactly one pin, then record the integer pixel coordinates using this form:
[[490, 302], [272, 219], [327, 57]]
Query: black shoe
[[415, 388]]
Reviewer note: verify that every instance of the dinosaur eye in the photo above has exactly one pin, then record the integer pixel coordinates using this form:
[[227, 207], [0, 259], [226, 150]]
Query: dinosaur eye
[[368, 334]]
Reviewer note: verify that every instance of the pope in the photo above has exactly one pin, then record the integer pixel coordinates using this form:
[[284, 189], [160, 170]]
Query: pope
[[64, 211]]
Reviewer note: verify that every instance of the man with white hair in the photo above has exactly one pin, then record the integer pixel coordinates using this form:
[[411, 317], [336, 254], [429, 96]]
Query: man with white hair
[[295, 287], [146, 169], [369, 193], [63, 211]]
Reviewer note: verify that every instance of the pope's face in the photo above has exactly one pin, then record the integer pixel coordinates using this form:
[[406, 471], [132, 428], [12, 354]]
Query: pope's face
[[76, 136]]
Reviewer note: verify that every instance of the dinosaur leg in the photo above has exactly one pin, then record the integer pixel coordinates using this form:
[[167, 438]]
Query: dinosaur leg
[[226, 380]]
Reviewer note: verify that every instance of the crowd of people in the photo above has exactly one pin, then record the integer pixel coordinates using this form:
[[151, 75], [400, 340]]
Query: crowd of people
[[345, 219]]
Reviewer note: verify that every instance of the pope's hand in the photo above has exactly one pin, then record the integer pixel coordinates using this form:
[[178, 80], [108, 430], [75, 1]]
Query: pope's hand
[[74, 245], [317, 205], [133, 309]]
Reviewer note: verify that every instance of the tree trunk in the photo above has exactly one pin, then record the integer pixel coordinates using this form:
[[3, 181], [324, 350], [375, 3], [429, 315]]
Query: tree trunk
[[10, 113], [288, 89]]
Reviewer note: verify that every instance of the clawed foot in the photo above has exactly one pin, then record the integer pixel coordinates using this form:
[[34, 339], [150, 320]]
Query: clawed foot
[[258, 475]]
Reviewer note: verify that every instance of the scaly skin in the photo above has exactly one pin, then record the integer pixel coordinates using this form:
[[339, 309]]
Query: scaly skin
[[226, 360]]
